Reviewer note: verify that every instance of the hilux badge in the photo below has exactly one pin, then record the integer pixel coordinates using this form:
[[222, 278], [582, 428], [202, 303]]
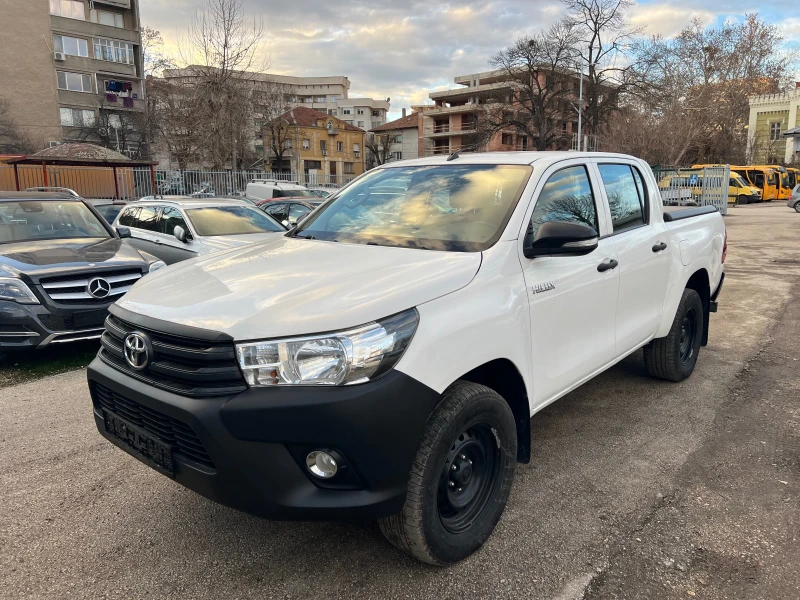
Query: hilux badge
[[543, 287]]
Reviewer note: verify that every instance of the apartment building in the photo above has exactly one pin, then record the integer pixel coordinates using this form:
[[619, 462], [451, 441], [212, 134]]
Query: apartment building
[[318, 147], [71, 66], [446, 126], [775, 128], [328, 95]]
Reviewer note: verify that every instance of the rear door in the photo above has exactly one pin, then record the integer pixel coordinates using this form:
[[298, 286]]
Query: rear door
[[640, 238], [572, 302], [171, 249], [143, 223]]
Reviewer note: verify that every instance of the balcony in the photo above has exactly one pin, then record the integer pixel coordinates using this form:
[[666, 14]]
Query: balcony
[[445, 130]]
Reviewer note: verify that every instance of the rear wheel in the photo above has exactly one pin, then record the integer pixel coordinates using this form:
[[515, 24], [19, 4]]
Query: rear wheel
[[461, 477], [674, 357], [797, 207]]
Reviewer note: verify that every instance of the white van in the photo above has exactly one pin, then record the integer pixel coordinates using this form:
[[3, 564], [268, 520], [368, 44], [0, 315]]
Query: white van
[[264, 189]]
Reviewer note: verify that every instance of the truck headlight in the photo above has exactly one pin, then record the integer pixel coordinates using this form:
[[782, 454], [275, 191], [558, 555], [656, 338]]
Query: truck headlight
[[15, 290], [353, 356]]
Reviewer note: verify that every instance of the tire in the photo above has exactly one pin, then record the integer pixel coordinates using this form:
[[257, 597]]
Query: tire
[[797, 207], [469, 441], [742, 200], [674, 357]]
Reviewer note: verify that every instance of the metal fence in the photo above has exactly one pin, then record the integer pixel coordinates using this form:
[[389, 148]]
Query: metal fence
[[131, 183], [708, 186]]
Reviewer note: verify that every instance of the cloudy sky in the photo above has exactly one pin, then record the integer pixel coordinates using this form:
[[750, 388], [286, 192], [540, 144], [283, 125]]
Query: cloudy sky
[[404, 50]]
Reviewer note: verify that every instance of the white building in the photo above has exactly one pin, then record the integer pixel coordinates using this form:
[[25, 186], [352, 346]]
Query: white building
[[404, 136]]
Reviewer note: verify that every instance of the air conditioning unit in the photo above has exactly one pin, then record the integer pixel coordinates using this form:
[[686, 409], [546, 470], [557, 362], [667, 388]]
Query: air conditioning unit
[[324, 153], [59, 56]]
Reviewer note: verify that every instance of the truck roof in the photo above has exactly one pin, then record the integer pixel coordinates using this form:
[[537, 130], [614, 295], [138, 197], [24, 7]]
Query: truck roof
[[506, 158]]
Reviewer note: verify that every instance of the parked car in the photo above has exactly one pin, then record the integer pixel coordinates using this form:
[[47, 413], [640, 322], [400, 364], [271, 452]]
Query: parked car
[[175, 230], [288, 211], [383, 360], [263, 189], [322, 192], [61, 266], [108, 209], [794, 200]]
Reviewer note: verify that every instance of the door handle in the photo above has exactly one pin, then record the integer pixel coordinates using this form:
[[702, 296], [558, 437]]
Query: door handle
[[659, 247], [607, 265]]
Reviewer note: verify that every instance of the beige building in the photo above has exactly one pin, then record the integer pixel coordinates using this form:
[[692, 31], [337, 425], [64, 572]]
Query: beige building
[[328, 95], [775, 128], [67, 66]]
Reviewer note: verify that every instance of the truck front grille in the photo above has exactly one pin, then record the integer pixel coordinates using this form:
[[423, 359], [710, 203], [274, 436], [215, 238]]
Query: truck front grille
[[185, 366], [170, 431]]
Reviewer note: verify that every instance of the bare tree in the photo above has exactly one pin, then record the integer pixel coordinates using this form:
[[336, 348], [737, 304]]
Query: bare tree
[[379, 147], [542, 85], [271, 101], [154, 59], [221, 51], [116, 128], [173, 120], [603, 40], [13, 139]]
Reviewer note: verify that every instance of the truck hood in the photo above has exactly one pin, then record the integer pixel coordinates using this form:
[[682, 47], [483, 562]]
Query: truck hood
[[42, 257], [218, 243], [288, 286]]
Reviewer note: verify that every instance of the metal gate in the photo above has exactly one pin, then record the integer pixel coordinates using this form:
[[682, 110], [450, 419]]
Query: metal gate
[[708, 186]]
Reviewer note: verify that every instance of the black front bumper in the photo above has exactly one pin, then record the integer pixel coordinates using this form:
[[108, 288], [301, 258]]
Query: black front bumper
[[29, 326], [257, 442]]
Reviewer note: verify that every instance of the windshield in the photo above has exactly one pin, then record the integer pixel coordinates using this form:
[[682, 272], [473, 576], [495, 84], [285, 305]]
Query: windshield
[[457, 208], [231, 220], [26, 221]]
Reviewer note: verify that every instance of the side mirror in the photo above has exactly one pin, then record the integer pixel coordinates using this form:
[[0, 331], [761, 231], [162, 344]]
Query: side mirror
[[180, 234], [123, 232], [558, 238]]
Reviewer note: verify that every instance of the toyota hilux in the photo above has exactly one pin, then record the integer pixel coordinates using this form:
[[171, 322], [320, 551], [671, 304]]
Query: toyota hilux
[[383, 359]]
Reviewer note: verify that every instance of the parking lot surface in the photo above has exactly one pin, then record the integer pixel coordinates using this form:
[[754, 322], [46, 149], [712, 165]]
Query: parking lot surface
[[637, 488]]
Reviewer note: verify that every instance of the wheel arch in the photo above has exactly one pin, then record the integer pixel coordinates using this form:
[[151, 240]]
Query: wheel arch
[[700, 283], [502, 376]]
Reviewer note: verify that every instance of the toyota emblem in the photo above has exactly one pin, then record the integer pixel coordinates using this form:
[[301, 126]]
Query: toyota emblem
[[98, 288], [138, 350]]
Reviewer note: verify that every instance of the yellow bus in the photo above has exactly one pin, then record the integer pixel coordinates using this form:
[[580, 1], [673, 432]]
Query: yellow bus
[[784, 189], [794, 176]]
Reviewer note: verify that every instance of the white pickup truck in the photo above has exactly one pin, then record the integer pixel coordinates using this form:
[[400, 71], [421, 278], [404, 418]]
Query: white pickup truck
[[383, 359]]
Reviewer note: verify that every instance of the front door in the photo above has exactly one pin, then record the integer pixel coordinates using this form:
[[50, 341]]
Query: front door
[[642, 252], [572, 302]]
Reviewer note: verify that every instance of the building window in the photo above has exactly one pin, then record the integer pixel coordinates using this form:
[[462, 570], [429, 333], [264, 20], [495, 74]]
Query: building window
[[323, 145], [312, 164], [377, 123], [306, 144], [507, 139], [308, 100], [74, 82], [376, 113], [114, 121], [333, 98], [775, 131], [287, 144], [397, 155], [340, 146], [72, 9], [121, 52], [361, 123], [106, 17], [70, 45], [348, 169], [360, 111], [347, 111], [398, 139], [73, 117], [320, 99], [333, 112]]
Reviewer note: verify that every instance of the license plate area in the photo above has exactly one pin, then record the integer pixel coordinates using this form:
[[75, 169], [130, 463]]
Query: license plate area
[[144, 446], [92, 318]]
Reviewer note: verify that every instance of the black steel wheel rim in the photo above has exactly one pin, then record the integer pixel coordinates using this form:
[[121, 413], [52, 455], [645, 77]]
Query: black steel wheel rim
[[469, 478], [688, 335]]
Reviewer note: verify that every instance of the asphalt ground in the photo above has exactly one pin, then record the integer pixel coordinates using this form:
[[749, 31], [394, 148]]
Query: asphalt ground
[[637, 488]]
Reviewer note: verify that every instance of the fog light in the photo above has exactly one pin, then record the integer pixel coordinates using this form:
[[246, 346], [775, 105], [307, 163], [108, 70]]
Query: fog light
[[321, 464]]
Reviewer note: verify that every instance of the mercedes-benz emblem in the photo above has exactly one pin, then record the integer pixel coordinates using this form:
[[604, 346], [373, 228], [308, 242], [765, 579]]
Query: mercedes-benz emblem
[[98, 287], [138, 350]]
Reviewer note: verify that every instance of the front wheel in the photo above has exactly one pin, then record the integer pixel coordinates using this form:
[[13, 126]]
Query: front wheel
[[797, 207], [461, 477], [742, 200], [673, 357]]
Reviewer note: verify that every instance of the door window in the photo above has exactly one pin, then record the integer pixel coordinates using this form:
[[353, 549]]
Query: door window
[[170, 219], [567, 196], [147, 218], [296, 211], [278, 212], [129, 217], [625, 196]]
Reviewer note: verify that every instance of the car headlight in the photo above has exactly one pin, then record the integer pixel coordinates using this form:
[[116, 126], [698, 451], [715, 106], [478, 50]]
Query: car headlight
[[155, 266], [13, 289], [349, 357]]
